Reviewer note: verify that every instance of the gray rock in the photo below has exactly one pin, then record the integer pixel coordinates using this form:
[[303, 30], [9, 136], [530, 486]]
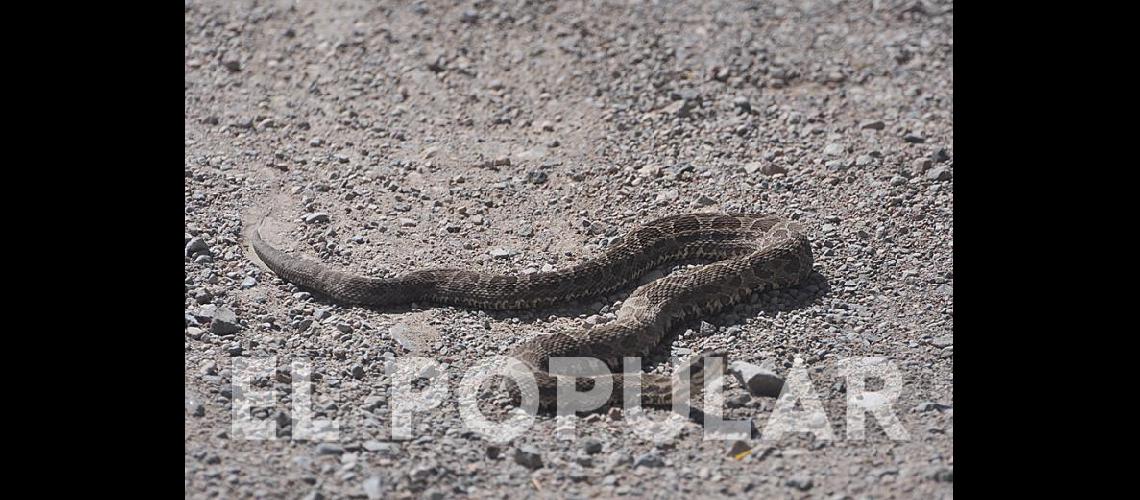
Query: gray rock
[[248, 282], [773, 169], [378, 446], [407, 222], [225, 322], [800, 482], [196, 245], [371, 487], [941, 155], [759, 381], [649, 459], [316, 218], [536, 177], [500, 253], [930, 405], [329, 449], [943, 341], [194, 407], [939, 174], [872, 125], [357, 372], [914, 138], [591, 445], [667, 196], [834, 149], [529, 457]]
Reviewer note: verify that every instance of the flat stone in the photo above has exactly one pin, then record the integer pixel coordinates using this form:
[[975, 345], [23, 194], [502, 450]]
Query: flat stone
[[529, 457], [225, 322], [758, 381]]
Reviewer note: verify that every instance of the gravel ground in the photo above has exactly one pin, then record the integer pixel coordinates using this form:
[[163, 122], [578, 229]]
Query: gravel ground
[[524, 136]]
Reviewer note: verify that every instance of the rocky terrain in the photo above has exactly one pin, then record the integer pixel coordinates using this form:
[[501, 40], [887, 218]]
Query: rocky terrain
[[522, 136]]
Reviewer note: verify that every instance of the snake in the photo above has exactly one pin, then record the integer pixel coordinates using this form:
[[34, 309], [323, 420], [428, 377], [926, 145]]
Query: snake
[[743, 254]]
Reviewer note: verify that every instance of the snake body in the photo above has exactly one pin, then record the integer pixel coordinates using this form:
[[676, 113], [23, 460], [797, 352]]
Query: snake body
[[748, 253]]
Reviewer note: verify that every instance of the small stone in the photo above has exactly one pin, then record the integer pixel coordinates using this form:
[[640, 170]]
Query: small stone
[[529, 457], [707, 329], [225, 322], [872, 125], [536, 177], [802, 483], [939, 174], [705, 201], [377, 446], [739, 400], [248, 282], [372, 487], [406, 222], [591, 445], [194, 407], [501, 253], [930, 405], [649, 459], [773, 169], [864, 160], [321, 314], [941, 155], [741, 103], [667, 196], [302, 296], [494, 452], [943, 341], [344, 327], [833, 149], [316, 218], [614, 413], [357, 372], [329, 449], [196, 245], [232, 63], [914, 138], [759, 381]]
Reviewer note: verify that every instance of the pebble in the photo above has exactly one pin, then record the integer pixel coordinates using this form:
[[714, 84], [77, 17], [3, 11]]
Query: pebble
[[371, 488], [536, 177], [667, 196], [649, 459], [872, 125], [914, 138], [773, 169], [379, 447], [799, 482], [248, 282], [930, 405], [591, 445], [195, 407], [329, 449], [943, 341], [316, 218], [196, 245], [529, 457], [939, 174], [833, 149], [501, 253], [225, 322], [758, 381], [407, 222]]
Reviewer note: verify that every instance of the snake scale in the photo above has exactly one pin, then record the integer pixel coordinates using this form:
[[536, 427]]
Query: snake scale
[[748, 253]]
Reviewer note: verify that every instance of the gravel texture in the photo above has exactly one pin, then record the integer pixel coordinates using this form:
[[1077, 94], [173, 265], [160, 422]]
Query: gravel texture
[[524, 136]]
